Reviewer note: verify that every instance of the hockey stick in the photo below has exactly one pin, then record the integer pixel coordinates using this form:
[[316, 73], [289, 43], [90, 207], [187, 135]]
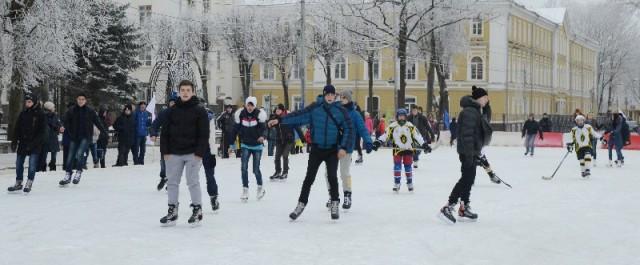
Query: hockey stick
[[559, 165], [484, 163]]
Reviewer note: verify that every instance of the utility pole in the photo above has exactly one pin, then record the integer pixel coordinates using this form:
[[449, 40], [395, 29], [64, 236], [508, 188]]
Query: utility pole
[[302, 62]]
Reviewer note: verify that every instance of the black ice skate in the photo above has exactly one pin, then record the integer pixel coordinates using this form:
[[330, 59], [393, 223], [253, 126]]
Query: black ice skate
[[77, 176], [27, 186], [396, 187], [196, 215], [215, 205], [161, 184], [465, 212], [283, 176], [275, 176], [15, 187], [347, 200], [297, 212], [446, 213], [335, 210], [66, 180], [171, 217]]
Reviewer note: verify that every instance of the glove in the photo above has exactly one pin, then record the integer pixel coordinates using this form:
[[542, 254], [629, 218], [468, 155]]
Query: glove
[[569, 147], [426, 148], [376, 145], [368, 147], [482, 161]]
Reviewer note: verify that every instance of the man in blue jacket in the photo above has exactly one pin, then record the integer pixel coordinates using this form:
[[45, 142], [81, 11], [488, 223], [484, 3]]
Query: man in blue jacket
[[143, 122], [332, 137]]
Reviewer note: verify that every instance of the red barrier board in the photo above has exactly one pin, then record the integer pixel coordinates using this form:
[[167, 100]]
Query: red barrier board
[[551, 139]]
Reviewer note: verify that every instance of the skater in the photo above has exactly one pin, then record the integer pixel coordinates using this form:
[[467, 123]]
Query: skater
[[344, 164], [271, 135], [143, 122], [31, 134], [582, 136], [594, 142], [332, 139], [156, 125], [616, 138], [474, 132], [382, 126], [79, 122], [183, 143], [424, 128], [368, 122], [545, 123], [453, 129], [209, 164], [125, 127], [358, 143], [531, 129], [285, 140], [404, 137], [103, 140], [52, 146], [252, 131], [434, 124], [226, 125]]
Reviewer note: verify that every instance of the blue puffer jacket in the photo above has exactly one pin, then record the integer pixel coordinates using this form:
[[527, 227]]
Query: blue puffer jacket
[[360, 131], [325, 133], [143, 122]]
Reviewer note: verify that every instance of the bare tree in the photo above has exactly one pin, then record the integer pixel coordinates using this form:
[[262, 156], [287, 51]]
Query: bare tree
[[327, 41]]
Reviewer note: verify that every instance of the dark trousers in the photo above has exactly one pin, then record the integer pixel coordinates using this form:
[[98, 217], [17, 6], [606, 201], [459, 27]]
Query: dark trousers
[[225, 145], [246, 154], [282, 153], [359, 147], [271, 146], [123, 154], [101, 152], [52, 162], [462, 189], [33, 166], [316, 157], [163, 168], [139, 148], [65, 155], [209, 164], [42, 160], [616, 143], [76, 157]]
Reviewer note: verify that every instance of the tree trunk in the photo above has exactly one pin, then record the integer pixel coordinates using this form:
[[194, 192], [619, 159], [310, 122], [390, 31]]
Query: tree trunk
[[430, 84], [444, 94], [285, 83], [370, 59], [327, 68], [402, 55], [204, 77], [245, 75], [610, 96], [15, 102]]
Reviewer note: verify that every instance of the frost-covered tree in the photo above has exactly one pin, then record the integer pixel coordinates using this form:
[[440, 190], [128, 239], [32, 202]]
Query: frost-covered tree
[[326, 41]]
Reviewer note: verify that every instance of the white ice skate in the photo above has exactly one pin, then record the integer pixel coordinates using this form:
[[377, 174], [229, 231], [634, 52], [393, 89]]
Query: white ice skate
[[260, 192], [245, 195]]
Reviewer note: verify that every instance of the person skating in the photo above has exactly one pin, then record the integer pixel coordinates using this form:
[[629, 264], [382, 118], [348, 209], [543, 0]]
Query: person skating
[[453, 129], [531, 129], [183, 143], [31, 133], [53, 145], [156, 125], [360, 132], [582, 136], [226, 125], [332, 138], [103, 141], [209, 164], [79, 122], [424, 128], [143, 122], [616, 139], [125, 127], [252, 131], [404, 138], [284, 143], [474, 132]]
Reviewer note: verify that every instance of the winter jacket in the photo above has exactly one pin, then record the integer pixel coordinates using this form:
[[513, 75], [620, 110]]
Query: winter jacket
[[403, 137], [31, 130], [360, 131], [381, 126], [159, 122], [474, 132], [423, 125], [227, 125], [330, 124], [285, 133], [368, 122], [125, 127], [186, 130], [531, 127], [545, 124], [143, 122], [54, 130], [250, 126], [103, 140], [453, 128], [79, 121]]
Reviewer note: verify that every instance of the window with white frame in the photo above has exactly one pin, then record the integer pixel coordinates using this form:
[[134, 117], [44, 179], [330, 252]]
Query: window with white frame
[[295, 68], [410, 102], [476, 68], [476, 27], [296, 103], [268, 72], [411, 70], [206, 5], [145, 13], [145, 56], [340, 68]]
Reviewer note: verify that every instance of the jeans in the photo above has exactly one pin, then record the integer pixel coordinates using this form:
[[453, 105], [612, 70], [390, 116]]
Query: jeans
[[271, 145], [33, 166], [282, 154], [594, 152], [94, 153], [123, 154], [209, 164], [462, 189], [101, 153], [138, 150], [316, 157], [617, 143], [246, 153], [530, 143], [75, 158]]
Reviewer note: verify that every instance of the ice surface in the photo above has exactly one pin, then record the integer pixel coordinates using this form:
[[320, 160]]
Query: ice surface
[[112, 217]]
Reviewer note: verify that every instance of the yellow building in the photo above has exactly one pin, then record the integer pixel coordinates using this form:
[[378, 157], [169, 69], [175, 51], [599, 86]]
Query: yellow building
[[529, 60]]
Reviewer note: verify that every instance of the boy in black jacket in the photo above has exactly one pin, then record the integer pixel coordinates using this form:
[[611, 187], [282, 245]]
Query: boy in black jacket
[[252, 131], [531, 129], [285, 140]]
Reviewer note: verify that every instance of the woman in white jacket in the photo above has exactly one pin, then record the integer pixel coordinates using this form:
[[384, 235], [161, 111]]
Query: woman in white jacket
[[209, 164]]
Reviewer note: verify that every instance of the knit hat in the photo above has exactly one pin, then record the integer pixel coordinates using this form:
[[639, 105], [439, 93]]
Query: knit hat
[[49, 106], [348, 94], [328, 89], [252, 100], [478, 92], [580, 117], [30, 96]]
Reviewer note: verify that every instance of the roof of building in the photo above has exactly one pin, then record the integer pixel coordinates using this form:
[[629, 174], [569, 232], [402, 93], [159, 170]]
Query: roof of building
[[556, 15]]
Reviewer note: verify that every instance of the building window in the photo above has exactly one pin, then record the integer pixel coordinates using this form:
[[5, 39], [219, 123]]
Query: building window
[[190, 3], [206, 5], [411, 70], [145, 13], [145, 56], [375, 105], [375, 67], [476, 27], [268, 72], [295, 69], [340, 68], [410, 102], [476, 68], [296, 103]]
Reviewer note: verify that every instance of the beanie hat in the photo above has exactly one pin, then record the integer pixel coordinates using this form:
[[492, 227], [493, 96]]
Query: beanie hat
[[348, 94], [252, 100], [328, 89], [49, 106], [478, 92], [401, 112], [30, 96]]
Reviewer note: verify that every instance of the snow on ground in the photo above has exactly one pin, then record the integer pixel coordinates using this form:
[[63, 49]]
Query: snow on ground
[[112, 217]]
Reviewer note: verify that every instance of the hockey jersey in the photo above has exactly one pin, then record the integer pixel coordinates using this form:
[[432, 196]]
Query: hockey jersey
[[582, 137], [403, 137]]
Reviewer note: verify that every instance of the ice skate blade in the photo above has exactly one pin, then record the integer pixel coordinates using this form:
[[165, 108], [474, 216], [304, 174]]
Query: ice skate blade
[[168, 224], [467, 220], [445, 219], [15, 192], [195, 224]]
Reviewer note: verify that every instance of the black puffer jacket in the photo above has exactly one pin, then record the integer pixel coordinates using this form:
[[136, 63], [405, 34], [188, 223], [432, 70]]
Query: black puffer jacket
[[474, 131], [79, 122], [53, 131], [285, 133], [31, 130], [125, 126], [531, 127], [186, 130], [422, 123], [227, 126]]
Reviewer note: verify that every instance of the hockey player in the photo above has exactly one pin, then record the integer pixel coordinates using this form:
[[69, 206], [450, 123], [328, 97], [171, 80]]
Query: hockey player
[[582, 136], [404, 137]]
